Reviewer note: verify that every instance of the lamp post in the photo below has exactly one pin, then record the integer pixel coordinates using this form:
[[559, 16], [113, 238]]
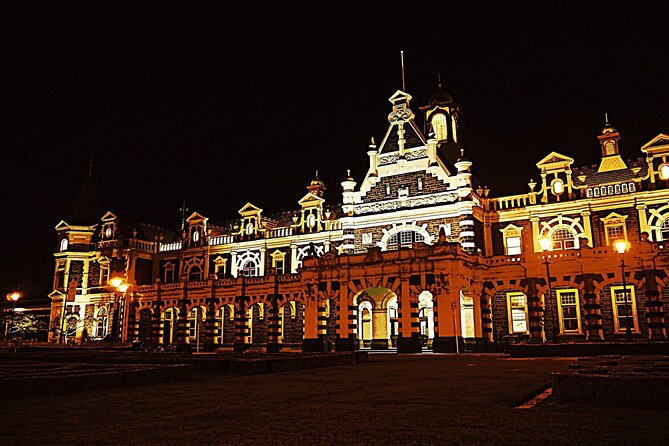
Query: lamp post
[[12, 297], [547, 245], [621, 246], [120, 287]]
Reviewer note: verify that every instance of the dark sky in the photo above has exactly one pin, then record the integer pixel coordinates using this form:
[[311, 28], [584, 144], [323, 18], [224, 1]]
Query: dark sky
[[220, 105]]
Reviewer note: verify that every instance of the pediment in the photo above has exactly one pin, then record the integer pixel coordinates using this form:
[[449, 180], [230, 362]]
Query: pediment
[[196, 218], [659, 144], [249, 209], [310, 200], [109, 216], [555, 160]]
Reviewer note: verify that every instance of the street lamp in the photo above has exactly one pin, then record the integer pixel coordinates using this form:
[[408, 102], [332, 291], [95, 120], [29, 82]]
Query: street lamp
[[547, 245], [12, 297], [621, 246], [120, 287]]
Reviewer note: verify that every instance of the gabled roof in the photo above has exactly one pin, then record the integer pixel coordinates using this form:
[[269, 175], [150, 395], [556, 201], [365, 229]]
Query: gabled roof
[[109, 216], [658, 144], [554, 161], [249, 209], [310, 200], [196, 217], [399, 96], [412, 135]]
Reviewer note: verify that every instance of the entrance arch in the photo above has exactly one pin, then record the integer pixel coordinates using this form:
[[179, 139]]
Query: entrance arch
[[377, 317]]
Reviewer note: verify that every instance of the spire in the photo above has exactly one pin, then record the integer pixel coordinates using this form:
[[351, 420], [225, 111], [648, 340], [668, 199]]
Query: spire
[[85, 208], [183, 209], [404, 87]]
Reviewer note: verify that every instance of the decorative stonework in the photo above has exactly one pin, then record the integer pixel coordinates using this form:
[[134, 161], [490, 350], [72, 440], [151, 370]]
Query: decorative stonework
[[391, 205]]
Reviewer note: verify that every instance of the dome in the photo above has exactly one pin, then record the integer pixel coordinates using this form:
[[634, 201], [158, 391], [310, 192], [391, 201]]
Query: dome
[[441, 97]]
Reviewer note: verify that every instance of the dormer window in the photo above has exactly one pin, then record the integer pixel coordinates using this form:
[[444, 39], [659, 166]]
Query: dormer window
[[63, 244], [249, 229], [558, 186], [440, 126]]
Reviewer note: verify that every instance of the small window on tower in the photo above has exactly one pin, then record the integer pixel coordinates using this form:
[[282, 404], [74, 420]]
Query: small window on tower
[[420, 183], [664, 171], [63, 244], [440, 126]]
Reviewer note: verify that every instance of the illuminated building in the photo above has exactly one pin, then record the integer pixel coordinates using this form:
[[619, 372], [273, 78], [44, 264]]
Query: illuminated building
[[417, 255]]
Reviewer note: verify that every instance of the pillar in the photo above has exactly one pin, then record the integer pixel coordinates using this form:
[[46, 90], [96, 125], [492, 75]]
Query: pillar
[[347, 332], [450, 325], [539, 319], [241, 325], [273, 325], [311, 341], [654, 311], [210, 320], [408, 340], [486, 320], [592, 311], [182, 322]]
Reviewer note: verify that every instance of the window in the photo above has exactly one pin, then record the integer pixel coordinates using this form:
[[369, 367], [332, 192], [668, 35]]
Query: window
[[169, 273], [517, 305], [195, 324], [248, 264], [63, 244], [101, 323], [664, 230], [195, 273], [624, 305], [563, 238], [440, 126], [420, 183], [251, 269], [588, 193], [569, 311], [405, 238], [558, 186], [623, 187], [453, 129], [170, 325], [513, 246], [614, 226]]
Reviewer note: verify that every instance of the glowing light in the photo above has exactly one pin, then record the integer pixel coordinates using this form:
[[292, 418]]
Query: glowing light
[[621, 246], [558, 187], [14, 296], [123, 287], [664, 171], [546, 243], [116, 281]]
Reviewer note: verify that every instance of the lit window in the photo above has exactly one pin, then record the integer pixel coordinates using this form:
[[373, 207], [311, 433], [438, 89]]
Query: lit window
[[614, 233], [624, 308], [63, 244], [170, 317], [195, 324], [602, 190], [249, 229], [101, 323], [558, 186], [596, 191], [513, 246], [405, 238], [588, 193], [664, 230], [569, 311], [664, 171], [609, 190], [517, 305], [623, 187], [564, 238], [420, 183], [440, 126], [196, 236], [617, 189], [632, 187], [454, 129]]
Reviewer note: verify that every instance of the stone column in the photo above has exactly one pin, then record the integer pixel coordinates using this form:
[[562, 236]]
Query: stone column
[[210, 321], [408, 340], [539, 320], [450, 325], [273, 325]]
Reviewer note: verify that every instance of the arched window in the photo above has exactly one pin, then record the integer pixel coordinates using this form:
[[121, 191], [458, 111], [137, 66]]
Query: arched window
[[101, 323], [664, 230], [406, 237], [440, 126], [63, 244], [564, 238], [248, 264], [454, 126], [170, 325], [195, 324], [195, 273]]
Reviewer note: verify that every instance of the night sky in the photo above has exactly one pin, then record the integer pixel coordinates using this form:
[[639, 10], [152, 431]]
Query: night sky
[[220, 106]]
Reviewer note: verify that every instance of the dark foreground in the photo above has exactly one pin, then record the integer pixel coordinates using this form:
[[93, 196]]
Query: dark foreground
[[405, 400]]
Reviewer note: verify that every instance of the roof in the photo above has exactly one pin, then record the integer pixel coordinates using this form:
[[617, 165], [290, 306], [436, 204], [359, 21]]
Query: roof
[[594, 178]]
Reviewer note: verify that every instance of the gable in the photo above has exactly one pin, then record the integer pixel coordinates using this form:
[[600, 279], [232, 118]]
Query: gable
[[555, 161], [249, 209], [659, 144]]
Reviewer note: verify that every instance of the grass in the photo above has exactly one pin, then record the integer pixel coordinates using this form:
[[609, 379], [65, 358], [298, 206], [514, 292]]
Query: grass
[[391, 400]]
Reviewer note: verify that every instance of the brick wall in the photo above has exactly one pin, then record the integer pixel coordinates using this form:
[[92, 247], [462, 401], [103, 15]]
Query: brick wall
[[430, 185]]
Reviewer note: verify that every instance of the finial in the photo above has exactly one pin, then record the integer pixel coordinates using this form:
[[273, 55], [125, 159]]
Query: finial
[[439, 80], [316, 173], [404, 88], [348, 172], [462, 152], [606, 118]]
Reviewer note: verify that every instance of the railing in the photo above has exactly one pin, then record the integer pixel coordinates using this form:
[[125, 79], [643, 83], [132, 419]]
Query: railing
[[173, 246], [221, 240], [279, 232], [144, 245], [108, 244], [512, 201]]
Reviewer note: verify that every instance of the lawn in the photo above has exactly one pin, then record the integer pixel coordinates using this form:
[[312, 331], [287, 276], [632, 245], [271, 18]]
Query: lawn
[[391, 400]]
